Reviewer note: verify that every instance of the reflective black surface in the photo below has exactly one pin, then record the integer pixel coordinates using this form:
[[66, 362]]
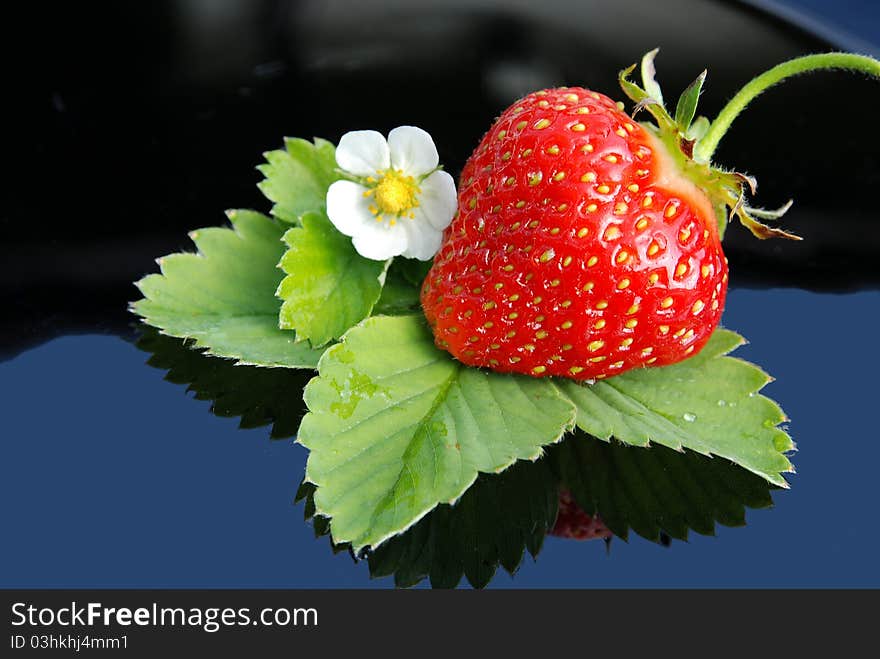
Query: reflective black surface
[[659, 494], [132, 124], [113, 476]]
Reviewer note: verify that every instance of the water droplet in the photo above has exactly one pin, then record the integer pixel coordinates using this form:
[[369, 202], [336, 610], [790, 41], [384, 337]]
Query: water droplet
[[690, 418]]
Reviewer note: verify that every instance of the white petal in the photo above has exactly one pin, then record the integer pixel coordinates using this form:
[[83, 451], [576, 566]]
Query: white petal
[[380, 241], [438, 200], [348, 208], [412, 150], [423, 240], [363, 152]]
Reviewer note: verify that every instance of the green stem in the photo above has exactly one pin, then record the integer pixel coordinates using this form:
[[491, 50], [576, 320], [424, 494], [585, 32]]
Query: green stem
[[705, 148]]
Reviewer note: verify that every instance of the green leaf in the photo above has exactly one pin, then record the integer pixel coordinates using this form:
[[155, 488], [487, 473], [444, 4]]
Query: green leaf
[[297, 177], [260, 396], [491, 526], [632, 90], [400, 294], [320, 525], [657, 489], [498, 519], [697, 129], [399, 297], [657, 492], [644, 100], [223, 297], [708, 403], [413, 270], [396, 426], [649, 81], [329, 287], [687, 103]]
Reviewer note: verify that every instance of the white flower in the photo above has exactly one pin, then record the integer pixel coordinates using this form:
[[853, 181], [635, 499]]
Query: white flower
[[400, 202]]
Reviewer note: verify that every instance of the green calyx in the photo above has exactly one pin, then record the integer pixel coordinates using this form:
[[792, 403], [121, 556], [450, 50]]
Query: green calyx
[[691, 140]]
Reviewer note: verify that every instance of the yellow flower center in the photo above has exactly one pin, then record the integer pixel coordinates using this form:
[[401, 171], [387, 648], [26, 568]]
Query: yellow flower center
[[395, 194]]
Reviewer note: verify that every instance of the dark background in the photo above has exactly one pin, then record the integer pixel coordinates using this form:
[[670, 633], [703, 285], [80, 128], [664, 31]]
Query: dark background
[[126, 125]]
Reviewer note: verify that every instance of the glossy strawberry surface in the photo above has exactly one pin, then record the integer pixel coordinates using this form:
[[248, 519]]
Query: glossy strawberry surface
[[578, 250]]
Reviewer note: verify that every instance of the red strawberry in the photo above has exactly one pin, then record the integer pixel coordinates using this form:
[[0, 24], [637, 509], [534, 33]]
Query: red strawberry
[[579, 249], [586, 243], [572, 522]]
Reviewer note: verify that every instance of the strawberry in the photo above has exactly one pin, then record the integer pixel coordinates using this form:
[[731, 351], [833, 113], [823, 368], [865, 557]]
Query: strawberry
[[572, 522], [585, 244]]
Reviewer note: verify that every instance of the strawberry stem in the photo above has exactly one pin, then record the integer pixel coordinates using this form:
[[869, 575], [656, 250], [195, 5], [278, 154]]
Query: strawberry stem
[[705, 148]]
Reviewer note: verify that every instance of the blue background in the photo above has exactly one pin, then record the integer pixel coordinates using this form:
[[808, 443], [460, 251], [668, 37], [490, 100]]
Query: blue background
[[855, 24], [98, 489]]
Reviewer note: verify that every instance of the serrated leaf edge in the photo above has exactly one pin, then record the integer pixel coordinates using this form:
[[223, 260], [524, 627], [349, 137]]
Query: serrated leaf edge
[[195, 342], [381, 279], [568, 427], [779, 482]]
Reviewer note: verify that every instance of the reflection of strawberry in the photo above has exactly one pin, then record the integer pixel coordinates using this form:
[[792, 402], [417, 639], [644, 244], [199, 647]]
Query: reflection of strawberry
[[586, 243], [572, 522]]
